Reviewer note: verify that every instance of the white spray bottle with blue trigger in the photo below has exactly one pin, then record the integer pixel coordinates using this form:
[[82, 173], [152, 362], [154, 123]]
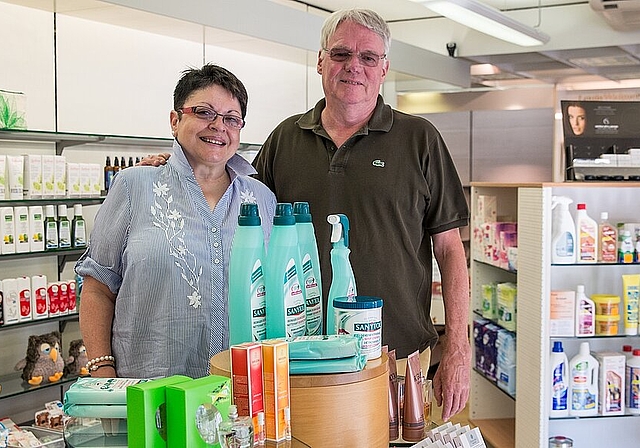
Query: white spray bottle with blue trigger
[[563, 232], [343, 282]]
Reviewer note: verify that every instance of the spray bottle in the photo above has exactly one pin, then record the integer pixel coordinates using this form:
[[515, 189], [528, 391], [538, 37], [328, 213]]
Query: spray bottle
[[310, 267], [343, 282], [563, 239]]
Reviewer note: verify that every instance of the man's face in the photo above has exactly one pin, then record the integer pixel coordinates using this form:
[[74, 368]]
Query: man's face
[[577, 119], [350, 81]]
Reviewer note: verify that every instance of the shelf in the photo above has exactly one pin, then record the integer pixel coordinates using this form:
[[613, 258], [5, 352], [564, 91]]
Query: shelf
[[499, 432], [495, 322], [13, 384], [485, 263], [591, 417], [598, 265], [51, 201], [493, 383], [60, 319], [59, 252]]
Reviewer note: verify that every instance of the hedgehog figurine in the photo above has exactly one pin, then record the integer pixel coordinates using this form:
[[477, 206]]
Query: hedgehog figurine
[[77, 359], [43, 363]]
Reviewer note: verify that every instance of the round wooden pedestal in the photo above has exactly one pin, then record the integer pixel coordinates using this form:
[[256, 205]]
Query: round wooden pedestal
[[343, 410]]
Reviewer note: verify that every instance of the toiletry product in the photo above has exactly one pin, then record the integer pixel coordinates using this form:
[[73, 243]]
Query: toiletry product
[[1, 304], [60, 176], [39, 297], [32, 176], [490, 301], [584, 383], [310, 267], [236, 431], [506, 361], [24, 296], [587, 236], [362, 317], [607, 325], [247, 294], [287, 423], [64, 227], [585, 314], [343, 282], [7, 231], [394, 430], [625, 247], [559, 381], [36, 228], [74, 189], [50, 228], [3, 177], [48, 176], [246, 379], [11, 305], [78, 229], [21, 220], [631, 294], [632, 377], [53, 293], [259, 435], [72, 305], [507, 305], [611, 383], [606, 304], [563, 239], [607, 240], [562, 309], [63, 306], [627, 350], [275, 365], [96, 181], [413, 418], [286, 309], [85, 180], [15, 171]]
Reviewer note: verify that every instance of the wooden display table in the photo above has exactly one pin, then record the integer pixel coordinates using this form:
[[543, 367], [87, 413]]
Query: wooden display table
[[335, 410]]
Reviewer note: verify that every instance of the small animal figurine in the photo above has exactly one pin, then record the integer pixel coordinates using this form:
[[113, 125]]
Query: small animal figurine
[[43, 363], [77, 359]]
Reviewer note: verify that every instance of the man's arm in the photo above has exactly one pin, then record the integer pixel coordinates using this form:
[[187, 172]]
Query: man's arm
[[452, 380]]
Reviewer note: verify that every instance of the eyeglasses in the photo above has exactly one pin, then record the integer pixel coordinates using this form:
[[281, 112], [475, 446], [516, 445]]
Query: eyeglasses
[[208, 114], [368, 58]]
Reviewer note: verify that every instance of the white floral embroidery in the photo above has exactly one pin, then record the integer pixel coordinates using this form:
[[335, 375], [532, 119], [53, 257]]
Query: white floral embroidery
[[247, 196], [171, 222]]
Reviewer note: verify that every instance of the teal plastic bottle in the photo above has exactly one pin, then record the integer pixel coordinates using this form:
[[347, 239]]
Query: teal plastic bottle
[[247, 292], [310, 267], [286, 310], [343, 282]]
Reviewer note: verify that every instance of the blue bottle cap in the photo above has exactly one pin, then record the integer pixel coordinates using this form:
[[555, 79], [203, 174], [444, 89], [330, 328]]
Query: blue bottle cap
[[284, 215], [249, 215], [557, 347], [301, 211]]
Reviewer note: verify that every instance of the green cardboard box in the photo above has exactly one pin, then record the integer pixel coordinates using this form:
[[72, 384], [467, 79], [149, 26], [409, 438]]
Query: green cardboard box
[[147, 413], [188, 405]]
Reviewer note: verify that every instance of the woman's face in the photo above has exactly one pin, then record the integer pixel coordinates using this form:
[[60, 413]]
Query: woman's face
[[208, 143], [577, 119]]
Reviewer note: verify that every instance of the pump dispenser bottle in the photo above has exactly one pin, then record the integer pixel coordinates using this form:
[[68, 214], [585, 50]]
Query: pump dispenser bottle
[[247, 295], [310, 267], [343, 282], [286, 310], [563, 237]]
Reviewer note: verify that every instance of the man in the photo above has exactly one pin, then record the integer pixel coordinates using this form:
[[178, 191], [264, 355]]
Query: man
[[393, 177]]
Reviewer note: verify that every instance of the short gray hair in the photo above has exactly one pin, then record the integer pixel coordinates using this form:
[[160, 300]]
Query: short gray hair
[[365, 17]]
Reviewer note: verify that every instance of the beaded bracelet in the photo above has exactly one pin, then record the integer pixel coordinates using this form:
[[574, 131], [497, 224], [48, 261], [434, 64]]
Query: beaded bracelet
[[94, 368], [99, 359]]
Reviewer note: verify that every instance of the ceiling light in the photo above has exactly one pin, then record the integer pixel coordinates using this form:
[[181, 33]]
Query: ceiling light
[[487, 20]]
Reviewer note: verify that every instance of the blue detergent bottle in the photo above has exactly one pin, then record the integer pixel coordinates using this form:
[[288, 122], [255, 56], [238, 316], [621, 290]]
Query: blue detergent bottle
[[310, 267], [286, 310], [343, 282], [247, 296]]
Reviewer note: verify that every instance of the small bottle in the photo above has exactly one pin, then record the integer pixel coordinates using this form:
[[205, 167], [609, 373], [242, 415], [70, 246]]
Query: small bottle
[[260, 434], [632, 383], [123, 163], [78, 230], [130, 162], [587, 235], [625, 247], [585, 314], [50, 228], [137, 159], [607, 240], [64, 227], [287, 423], [116, 165], [236, 432], [108, 173]]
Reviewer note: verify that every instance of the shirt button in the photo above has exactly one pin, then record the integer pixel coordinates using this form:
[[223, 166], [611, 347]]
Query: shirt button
[[214, 229], [216, 244], [216, 261]]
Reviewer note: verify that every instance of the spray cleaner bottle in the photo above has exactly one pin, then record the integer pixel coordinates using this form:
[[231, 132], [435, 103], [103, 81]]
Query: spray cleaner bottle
[[563, 233], [343, 282], [310, 267]]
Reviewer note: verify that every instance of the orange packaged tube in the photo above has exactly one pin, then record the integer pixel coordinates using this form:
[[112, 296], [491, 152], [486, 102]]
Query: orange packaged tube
[[275, 371]]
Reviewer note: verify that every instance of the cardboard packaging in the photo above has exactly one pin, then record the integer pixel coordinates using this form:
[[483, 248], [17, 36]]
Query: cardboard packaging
[[11, 305], [53, 293], [74, 188], [21, 221], [562, 309], [246, 379], [147, 412], [36, 228], [275, 371], [60, 176], [32, 176], [611, 383], [39, 300], [24, 295], [7, 231]]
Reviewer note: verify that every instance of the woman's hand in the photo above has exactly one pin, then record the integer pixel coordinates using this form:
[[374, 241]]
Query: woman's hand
[[154, 159]]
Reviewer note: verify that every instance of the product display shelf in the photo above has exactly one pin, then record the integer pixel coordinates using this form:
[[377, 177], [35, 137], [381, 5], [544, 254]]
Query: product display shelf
[[53, 201], [13, 384], [62, 321]]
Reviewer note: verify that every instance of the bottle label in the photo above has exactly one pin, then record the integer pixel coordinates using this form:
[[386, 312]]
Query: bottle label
[[559, 388], [587, 243], [25, 303], [41, 301], [564, 246], [608, 244], [633, 387], [313, 299], [79, 234], [51, 235], [64, 238], [258, 303], [295, 316]]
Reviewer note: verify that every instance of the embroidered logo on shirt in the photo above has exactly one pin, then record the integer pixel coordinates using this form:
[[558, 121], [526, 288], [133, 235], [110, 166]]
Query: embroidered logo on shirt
[[247, 196], [379, 163], [172, 223]]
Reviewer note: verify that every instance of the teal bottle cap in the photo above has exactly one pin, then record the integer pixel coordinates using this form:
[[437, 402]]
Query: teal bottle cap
[[301, 212], [284, 215], [357, 302], [249, 215]]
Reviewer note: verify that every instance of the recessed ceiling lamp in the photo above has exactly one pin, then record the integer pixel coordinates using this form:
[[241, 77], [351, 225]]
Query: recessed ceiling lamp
[[487, 20]]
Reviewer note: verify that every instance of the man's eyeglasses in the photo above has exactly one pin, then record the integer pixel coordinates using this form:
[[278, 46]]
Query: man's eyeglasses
[[368, 58], [208, 114]]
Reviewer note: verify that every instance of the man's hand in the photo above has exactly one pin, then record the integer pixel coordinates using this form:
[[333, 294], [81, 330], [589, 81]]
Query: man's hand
[[154, 159], [452, 380]]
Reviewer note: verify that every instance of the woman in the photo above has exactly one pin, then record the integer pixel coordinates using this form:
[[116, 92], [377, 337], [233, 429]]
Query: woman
[[577, 116], [155, 287]]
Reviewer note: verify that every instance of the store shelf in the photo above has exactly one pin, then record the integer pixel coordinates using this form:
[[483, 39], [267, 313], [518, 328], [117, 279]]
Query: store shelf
[[53, 201], [13, 384], [62, 320], [499, 432], [493, 383]]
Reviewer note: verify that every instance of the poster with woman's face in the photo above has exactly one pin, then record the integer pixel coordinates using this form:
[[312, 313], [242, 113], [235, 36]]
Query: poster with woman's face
[[601, 119]]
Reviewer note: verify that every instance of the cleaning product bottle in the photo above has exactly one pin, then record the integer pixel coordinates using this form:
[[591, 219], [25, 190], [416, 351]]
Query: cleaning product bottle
[[625, 247], [563, 239], [310, 267], [286, 310], [632, 383], [559, 382], [247, 297], [64, 227], [78, 228], [587, 234], [607, 240], [584, 383], [343, 282], [585, 314]]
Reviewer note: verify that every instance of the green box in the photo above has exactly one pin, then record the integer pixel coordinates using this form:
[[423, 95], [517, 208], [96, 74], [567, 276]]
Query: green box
[[147, 413], [187, 400]]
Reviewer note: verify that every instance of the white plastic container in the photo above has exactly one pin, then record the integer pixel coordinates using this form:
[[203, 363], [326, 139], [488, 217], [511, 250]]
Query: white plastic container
[[7, 231], [559, 381], [11, 305], [361, 316], [585, 314], [584, 383], [24, 296], [21, 220], [587, 236], [563, 236], [632, 389], [39, 301]]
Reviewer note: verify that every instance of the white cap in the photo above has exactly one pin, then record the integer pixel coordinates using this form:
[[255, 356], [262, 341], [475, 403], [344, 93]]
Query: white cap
[[77, 209], [49, 210], [62, 210], [604, 215]]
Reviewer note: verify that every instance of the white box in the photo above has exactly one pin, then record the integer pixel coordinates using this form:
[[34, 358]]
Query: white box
[[7, 231], [60, 176], [11, 309], [15, 176], [3, 176], [48, 176], [36, 228], [85, 179], [96, 171], [562, 311], [611, 383], [32, 176], [73, 180], [39, 300], [21, 223], [24, 295]]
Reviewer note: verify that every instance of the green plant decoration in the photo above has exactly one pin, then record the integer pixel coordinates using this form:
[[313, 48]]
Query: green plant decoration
[[10, 118]]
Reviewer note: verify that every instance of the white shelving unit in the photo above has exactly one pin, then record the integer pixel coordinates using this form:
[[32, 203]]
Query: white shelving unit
[[528, 414]]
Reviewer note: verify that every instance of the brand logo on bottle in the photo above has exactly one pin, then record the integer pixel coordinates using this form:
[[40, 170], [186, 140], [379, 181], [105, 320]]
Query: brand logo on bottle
[[367, 326]]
